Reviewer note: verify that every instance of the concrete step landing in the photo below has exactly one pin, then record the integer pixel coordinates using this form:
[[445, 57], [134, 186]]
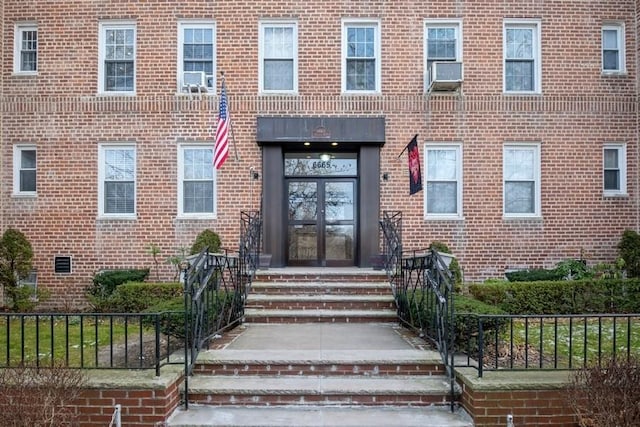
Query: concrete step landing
[[319, 416]]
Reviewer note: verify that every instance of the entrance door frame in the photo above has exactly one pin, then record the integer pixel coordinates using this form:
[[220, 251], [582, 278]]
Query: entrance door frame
[[362, 135], [321, 223]]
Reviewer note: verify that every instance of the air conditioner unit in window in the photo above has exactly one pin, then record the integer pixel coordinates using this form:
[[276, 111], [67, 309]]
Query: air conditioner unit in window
[[445, 76], [194, 81]]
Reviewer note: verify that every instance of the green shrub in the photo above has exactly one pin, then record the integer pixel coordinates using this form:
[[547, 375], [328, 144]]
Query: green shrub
[[562, 297], [206, 239], [136, 297], [173, 313], [105, 282], [16, 254], [629, 250], [534, 275]]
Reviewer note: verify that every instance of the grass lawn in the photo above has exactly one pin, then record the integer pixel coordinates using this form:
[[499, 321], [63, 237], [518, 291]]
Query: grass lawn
[[77, 341], [564, 342]]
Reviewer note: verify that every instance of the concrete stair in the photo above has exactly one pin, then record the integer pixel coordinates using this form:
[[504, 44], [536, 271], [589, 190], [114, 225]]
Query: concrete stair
[[304, 298], [313, 352]]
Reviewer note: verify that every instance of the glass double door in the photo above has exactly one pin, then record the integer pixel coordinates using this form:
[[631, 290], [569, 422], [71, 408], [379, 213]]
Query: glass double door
[[321, 225]]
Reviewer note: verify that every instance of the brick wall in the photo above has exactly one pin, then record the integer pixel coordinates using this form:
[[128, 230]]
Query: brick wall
[[60, 112], [140, 407]]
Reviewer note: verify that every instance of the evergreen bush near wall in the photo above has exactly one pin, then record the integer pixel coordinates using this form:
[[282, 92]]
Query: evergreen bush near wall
[[106, 282], [136, 297], [629, 250], [206, 239], [562, 297]]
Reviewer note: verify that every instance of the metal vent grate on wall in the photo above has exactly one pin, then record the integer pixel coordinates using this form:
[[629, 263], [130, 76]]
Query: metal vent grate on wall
[[62, 264]]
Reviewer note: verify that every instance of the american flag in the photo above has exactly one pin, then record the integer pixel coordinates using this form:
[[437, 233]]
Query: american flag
[[221, 151]]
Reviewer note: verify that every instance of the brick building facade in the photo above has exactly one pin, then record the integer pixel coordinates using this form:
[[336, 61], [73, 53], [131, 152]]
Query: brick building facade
[[108, 110]]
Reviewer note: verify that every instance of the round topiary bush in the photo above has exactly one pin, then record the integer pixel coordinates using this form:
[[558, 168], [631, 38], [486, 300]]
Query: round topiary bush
[[206, 239]]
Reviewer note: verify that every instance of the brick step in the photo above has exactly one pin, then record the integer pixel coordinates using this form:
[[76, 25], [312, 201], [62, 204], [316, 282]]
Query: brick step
[[321, 288], [318, 316], [314, 416], [327, 275], [317, 302], [311, 362], [414, 390]]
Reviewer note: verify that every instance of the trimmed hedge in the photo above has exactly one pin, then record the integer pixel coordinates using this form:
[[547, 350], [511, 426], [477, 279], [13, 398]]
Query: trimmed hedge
[[562, 297], [135, 297], [105, 282]]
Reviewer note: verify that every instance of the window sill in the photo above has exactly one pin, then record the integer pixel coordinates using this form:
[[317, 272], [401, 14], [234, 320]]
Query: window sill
[[103, 217], [24, 74], [614, 74], [125, 94], [24, 195], [615, 195], [201, 217], [443, 218], [528, 93], [526, 218]]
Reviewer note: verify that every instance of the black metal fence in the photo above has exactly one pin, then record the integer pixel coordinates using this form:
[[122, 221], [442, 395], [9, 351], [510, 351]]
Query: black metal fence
[[87, 340], [546, 342]]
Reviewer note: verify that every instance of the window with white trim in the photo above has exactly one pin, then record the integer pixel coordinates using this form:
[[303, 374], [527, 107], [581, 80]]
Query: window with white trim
[[614, 169], [521, 172], [361, 56], [613, 57], [197, 54], [25, 59], [442, 42], [196, 181], [522, 58], [117, 180], [278, 51], [24, 170], [443, 172], [117, 58]]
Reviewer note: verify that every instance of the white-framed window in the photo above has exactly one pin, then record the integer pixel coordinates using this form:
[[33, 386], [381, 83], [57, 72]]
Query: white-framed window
[[614, 169], [25, 57], [117, 58], [443, 172], [196, 181], [521, 172], [278, 52], [117, 180], [361, 56], [442, 42], [24, 169], [196, 54], [613, 56], [522, 57]]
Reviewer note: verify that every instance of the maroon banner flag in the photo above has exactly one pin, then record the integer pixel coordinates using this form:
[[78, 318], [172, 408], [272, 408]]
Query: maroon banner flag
[[221, 151], [415, 175]]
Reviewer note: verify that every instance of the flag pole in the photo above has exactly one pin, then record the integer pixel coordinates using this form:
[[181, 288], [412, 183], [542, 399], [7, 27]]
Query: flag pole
[[233, 135], [407, 146]]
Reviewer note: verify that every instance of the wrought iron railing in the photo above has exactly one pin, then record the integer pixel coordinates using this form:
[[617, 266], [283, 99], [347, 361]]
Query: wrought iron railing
[[547, 342], [87, 340], [250, 239], [424, 300], [215, 289], [391, 226]]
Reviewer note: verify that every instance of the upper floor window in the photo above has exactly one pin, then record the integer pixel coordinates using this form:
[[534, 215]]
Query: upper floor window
[[196, 181], [615, 169], [26, 49], [521, 171], [278, 69], [117, 180], [522, 63], [443, 173], [117, 53], [24, 170], [196, 56], [613, 58], [361, 56]]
